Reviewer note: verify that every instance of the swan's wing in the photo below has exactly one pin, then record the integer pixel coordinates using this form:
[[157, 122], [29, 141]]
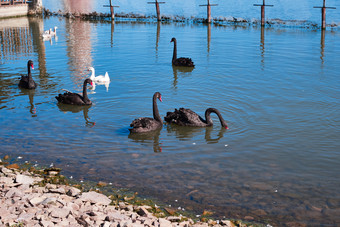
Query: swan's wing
[[185, 62], [145, 124], [107, 76], [70, 98], [185, 117], [102, 78], [23, 81]]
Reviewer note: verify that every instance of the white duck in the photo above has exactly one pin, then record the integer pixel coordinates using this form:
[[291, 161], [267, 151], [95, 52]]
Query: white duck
[[100, 78]]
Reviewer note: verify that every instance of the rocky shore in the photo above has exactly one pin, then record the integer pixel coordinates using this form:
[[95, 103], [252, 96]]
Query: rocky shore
[[27, 200]]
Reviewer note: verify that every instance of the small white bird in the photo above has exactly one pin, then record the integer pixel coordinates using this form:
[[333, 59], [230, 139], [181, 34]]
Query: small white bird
[[99, 78]]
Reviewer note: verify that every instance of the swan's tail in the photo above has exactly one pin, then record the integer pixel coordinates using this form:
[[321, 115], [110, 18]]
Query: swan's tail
[[107, 76]]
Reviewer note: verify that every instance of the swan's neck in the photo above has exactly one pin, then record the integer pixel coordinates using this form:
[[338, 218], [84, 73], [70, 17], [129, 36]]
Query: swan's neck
[[156, 115], [29, 72], [208, 118], [92, 74], [174, 56], [85, 98]]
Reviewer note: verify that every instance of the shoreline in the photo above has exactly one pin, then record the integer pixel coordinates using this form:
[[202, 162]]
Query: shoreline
[[43, 197], [216, 21]]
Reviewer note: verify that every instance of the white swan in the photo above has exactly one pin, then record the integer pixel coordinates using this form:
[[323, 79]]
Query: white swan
[[54, 32], [99, 78], [47, 34]]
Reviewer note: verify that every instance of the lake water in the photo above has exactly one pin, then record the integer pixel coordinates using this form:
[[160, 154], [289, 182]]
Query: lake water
[[278, 90]]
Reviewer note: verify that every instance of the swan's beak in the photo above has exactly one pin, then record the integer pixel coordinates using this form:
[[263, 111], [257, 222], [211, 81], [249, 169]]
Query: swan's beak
[[32, 66], [160, 98]]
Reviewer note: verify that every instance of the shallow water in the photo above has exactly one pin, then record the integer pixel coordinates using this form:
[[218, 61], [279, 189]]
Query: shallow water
[[278, 90]]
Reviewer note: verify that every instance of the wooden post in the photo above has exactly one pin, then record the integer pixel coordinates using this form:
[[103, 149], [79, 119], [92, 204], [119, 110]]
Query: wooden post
[[323, 14], [263, 19], [322, 46], [209, 10], [157, 9], [111, 9]]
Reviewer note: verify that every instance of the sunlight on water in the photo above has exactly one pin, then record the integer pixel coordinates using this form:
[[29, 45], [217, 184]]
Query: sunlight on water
[[277, 89]]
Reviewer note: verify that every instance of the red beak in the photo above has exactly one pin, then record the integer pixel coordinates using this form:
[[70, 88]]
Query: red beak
[[160, 98], [32, 66]]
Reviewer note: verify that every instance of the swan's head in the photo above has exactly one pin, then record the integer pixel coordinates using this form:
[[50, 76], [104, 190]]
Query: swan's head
[[89, 81], [55, 27], [30, 64], [173, 40], [90, 69], [158, 96]]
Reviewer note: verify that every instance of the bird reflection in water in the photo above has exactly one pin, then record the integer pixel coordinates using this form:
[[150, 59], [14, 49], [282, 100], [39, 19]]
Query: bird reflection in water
[[76, 109], [148, 137], [185, 71], [184, 132], [30, 94]]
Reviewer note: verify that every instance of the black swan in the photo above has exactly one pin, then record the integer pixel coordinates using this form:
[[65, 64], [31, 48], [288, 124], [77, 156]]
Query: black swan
[[27, 81], [187, 117], [180, 61], [74, 98], [147, 124]]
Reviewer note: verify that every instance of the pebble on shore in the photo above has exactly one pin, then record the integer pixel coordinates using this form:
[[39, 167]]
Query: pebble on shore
[[23, 202]]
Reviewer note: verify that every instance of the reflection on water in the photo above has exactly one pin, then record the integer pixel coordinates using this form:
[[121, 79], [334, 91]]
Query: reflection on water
[[76, 109], [182, 71], [76, 6], [183, 132], [262, 48], [157, 36], [322, 46], [150, 137], [208, 37], [278, 161], [15, 39], [79, 48]]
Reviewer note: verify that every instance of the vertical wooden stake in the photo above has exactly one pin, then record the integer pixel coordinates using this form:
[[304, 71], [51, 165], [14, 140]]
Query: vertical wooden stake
[[158, 12], [263, 18], [111, 9], [209, 10], [323, 13]]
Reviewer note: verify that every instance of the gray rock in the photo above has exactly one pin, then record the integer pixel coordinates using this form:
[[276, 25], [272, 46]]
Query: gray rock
[[227, 223], [73, 192], [164, 223], [14, 192], [37, 200], [25, 217], [3, 212], [23, 179], [60, 212], [46, 223], [6, 180], [142, 211], [173, 218], [49, 200], [5, 170], [60, 190], [95, 197]]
